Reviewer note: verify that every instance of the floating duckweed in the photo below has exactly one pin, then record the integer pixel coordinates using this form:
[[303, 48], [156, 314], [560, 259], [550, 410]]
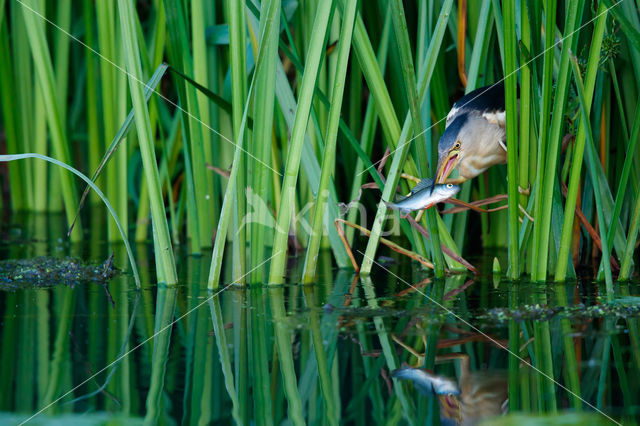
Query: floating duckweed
[[47, 271], [542, 313]]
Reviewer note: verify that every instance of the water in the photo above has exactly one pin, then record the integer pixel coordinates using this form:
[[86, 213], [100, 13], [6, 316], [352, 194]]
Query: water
[[317, 354]]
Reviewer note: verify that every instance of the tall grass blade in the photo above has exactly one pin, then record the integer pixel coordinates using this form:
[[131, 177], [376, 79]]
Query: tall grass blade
[[145, 139], [199, 208], [238, 69], [329, 155], [422, 160], [574, 180], [229, 196], [113, 84], [2, 11], [368, 132], [149, 88], [545, 204], [595, 179], [61, 55], [309, 160], [525, 119], [262, 131], [375, 81], [511, 61], [44, 72], [31, 122], [627, 258], [623, 187], [201, 72], [94, 142], [9, 119], [316, 49]]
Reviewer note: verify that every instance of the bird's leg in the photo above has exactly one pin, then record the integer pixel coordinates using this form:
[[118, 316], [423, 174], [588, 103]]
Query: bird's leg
[[464, 358], [463, 380], [424, 339], [524, 212], [407, 176], [411, 350], [525, 191], [524, 358], [525, 344]]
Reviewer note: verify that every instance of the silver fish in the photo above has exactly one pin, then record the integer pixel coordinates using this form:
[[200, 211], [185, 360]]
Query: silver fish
[[424, 195], [427, 383]]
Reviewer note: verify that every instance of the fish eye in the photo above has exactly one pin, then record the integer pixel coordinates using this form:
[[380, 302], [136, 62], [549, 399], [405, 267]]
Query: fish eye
[[449, 185]]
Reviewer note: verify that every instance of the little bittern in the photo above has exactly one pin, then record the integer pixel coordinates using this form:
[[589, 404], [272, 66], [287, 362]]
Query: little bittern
[[474, 138]]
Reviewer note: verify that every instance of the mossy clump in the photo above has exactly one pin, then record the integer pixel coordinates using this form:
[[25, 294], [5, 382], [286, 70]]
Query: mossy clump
[[45, 271], [620, 309]]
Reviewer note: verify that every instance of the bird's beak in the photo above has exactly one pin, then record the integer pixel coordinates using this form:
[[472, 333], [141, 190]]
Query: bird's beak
[[449, 407], [446, 164]]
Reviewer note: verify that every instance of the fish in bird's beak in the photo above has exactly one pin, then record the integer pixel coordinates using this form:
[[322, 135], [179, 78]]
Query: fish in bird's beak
[[446, 164], [424, 195]]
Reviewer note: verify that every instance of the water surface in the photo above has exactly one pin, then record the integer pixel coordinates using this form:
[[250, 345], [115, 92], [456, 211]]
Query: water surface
[[315, 354]]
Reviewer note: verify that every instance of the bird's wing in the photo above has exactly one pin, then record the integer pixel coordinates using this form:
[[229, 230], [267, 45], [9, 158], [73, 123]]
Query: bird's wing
[[452, 114], [485, 100], [496, 117]]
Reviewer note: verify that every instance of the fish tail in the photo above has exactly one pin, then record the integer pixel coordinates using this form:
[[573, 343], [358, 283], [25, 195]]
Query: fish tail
[[390, 205], [394, 206]]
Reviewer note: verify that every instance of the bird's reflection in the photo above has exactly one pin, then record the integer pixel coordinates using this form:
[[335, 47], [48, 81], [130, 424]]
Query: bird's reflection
[[476, 396]]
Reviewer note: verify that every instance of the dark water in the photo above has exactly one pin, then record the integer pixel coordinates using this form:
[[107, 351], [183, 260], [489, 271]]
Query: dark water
[[316, 354]]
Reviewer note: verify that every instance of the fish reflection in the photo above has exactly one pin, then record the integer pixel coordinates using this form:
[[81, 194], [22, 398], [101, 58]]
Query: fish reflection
[[426, 383]]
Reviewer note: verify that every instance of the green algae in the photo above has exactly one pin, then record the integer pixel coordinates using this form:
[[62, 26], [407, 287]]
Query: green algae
[[617, 309], [45, 271]]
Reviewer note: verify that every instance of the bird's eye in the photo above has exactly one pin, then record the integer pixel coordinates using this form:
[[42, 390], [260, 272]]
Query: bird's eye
[[449, 185], [457, 145]]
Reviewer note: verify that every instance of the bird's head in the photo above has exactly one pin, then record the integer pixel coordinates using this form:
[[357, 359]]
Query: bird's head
[[451, 148]]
